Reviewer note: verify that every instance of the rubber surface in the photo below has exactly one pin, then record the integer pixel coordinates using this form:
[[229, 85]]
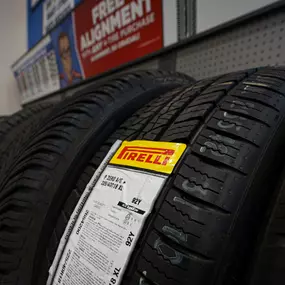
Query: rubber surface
[[204, 226], [16, 129], [268, 267], [32, 194], [2, 118]]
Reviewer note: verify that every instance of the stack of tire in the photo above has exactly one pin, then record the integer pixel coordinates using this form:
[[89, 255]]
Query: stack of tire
[[225, 202]]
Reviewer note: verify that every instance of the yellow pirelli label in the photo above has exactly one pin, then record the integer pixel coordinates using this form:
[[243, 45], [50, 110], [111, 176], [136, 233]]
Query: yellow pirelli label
[[157, 156]]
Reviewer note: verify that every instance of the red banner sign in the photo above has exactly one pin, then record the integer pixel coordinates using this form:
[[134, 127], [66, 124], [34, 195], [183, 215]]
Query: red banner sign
[[113, 32]]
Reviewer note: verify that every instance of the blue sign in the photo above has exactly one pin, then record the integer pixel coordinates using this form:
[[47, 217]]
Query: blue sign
[[44, 15]]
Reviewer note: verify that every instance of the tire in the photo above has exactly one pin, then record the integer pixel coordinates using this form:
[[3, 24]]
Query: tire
[[16, 129], [218, 196], [268, 266], [33, 192], [3, 118]]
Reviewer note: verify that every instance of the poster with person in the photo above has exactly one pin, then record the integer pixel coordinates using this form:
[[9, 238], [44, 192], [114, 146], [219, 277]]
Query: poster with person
[[97, 36], [68, 64]]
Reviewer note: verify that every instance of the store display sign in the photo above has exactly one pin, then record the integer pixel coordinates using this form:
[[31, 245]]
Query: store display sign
[[101, 35], [96, 37], [37, 73], [54, 11], [113, 32]]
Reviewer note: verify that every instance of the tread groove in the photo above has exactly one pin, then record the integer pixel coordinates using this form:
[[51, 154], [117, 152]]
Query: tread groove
[[191, 100], [179, 228], [263, 87], [159, 271], [218, 164], [198, 202], [244, 116], [198, 184], [232, 136], [185, 214], [144, 277], [202, 173], [255, 100], [191, 253]]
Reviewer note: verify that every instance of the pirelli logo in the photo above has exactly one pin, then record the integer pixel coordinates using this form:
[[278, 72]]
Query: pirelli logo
[[153, 155], [157, 156]]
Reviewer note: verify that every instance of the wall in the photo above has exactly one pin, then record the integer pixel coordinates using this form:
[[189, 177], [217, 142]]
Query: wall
[[211, 13], [170, 35], [12, 45]]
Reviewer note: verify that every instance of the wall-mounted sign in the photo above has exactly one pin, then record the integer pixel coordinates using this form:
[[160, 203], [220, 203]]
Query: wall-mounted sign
[[37, 73], [97, 36], [110, 33]]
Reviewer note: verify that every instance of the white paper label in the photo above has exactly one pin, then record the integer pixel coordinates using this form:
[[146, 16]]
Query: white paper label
[[54, 11], [107, 221], [34, 3], [37, 73], [108, 226]]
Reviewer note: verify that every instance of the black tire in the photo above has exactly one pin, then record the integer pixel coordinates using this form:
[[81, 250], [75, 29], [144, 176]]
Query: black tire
[[234, 126], [34, 190], [3, 118], [224, 187], [16, 129], [268, 264]]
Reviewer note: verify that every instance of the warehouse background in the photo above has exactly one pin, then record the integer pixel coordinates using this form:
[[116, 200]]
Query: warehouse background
[[14, 20]]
